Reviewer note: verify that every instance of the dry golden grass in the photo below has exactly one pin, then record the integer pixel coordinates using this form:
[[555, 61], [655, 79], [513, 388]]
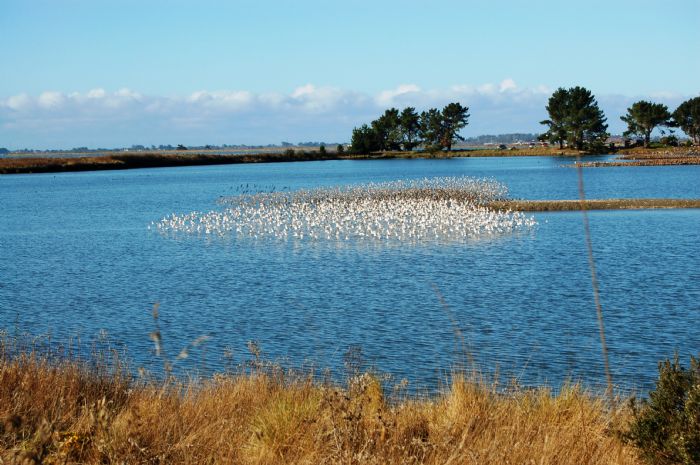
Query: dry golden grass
[[64, 412]]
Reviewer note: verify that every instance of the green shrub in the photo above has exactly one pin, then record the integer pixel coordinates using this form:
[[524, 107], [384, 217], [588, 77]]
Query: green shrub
[[666, 427], [670, 140]]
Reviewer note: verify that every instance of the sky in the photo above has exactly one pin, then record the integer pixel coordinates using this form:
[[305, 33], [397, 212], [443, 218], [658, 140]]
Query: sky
[[107, 73]]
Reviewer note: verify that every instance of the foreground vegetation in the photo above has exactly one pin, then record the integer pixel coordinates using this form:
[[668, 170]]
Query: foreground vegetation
[[68, 412]]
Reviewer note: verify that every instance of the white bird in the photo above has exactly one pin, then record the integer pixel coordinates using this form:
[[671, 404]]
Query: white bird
[[438, 209]]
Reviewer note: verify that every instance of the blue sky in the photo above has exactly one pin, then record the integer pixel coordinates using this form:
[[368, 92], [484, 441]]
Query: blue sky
[[116, 73]]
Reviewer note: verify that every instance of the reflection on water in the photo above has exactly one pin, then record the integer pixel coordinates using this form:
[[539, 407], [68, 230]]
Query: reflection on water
[[76, 258]]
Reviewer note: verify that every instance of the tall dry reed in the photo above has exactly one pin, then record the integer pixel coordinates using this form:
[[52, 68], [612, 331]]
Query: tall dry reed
[[67, 412]]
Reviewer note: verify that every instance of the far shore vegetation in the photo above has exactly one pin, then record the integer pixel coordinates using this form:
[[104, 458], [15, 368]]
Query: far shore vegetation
[[656, 154], [575, 126]]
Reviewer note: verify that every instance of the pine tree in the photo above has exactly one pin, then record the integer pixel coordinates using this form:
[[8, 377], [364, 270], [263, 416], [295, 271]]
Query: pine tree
[[687, 116], [574, 116], [557, 110], [410, 128], [388, 130], [455, 117], [431, 129], [364, 140], [643, 117]]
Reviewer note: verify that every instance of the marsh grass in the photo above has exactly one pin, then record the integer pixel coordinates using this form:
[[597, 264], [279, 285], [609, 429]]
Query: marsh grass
[[71, 411], [640, 156], [153, 159], [591, 204], [673, 161], [147, 160]]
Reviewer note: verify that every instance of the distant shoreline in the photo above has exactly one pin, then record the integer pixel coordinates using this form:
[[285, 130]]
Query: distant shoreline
[[164, 159]]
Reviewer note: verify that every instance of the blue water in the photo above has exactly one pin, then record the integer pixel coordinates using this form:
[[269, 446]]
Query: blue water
[[77, 261]]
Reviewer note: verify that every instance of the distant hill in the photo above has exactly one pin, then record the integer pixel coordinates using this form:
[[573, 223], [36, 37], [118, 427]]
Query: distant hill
[[500, 139]]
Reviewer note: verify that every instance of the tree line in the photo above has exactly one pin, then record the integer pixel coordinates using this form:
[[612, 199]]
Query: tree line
[[574, 120], [406, 130]]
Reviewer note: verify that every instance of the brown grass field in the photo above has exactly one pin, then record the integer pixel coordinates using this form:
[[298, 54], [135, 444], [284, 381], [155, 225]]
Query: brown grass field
[[67, 412], [602, 204], [131, 160], [21, 165]]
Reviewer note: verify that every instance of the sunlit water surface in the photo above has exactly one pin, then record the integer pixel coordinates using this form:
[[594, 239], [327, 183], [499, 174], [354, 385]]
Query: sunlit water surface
[[77, 260]]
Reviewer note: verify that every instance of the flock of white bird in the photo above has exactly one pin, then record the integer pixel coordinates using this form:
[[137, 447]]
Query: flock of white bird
[[440, 209]]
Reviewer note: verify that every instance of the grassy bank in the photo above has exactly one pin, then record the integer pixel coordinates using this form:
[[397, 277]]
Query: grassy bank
[[68, 412], [479, 152], [640, 153], [120, 161], [602, 204], [671, 161], [640, 156], [146, 160]]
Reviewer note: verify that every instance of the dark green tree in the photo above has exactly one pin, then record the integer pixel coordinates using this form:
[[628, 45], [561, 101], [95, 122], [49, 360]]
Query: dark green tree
[[322, 149], [455, 117], [643, 117], [364, 140], [574, 113], [388, 130], [431, 129], [687, 117], [557, 108], [410, 128], [340, 149]]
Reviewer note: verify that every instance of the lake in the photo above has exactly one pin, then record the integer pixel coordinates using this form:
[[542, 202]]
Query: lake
[[79, 262]]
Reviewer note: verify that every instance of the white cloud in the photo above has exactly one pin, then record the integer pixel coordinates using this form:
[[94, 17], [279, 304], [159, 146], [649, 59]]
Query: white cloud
[[50, 99], [388, 96], [128, 93], [487, 88], [96, 93], [303, 91], [18, 102], [506, 85], [222, 100], [314, 99]]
